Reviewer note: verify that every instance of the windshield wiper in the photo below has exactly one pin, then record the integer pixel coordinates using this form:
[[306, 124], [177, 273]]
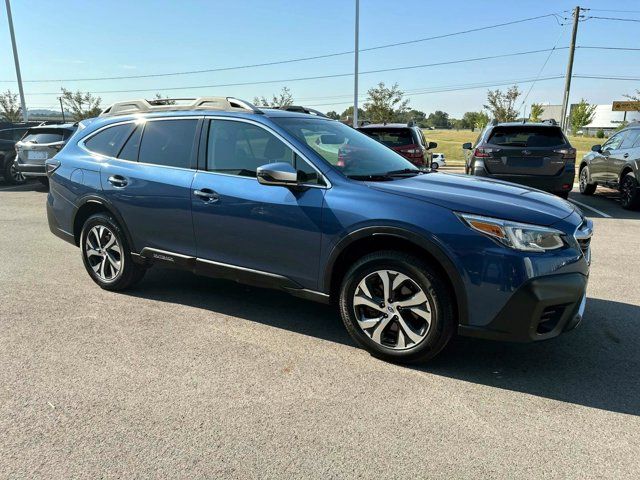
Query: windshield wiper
[[404, 171], [371, 178]]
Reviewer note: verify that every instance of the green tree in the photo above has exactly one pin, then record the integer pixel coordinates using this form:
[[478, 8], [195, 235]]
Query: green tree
[[348, 113], [581, 114], [634, 98], [438, 119], [384, 104], [501, 104], [10, 110], [411, 115], [482, 119], [537, 110], [81, 105], [283, 99], [333, 115]]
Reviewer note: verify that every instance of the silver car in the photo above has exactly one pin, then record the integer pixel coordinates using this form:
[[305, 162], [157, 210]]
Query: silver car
[[37, 146]]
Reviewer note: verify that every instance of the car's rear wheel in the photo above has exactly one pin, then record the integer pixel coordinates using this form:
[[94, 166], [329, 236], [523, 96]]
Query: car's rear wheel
[[586, 188], [434, 165], [44, 181], [11, 175], [397, 307], [629, 192], [106, 254]]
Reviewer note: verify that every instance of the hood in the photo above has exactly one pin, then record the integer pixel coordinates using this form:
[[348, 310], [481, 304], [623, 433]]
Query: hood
[[481, 196]]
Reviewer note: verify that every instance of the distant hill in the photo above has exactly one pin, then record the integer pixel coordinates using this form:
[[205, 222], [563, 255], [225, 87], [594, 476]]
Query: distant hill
[[43, 112]]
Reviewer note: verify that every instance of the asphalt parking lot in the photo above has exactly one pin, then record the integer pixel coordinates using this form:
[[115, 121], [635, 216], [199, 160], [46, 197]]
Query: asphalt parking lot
[[198, 378]]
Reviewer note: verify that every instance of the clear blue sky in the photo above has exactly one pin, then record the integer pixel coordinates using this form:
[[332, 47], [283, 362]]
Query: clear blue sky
[[76, 38]]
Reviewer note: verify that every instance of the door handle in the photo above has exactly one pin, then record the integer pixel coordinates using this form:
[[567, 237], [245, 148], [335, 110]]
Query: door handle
[[207, 195], [118, 181]]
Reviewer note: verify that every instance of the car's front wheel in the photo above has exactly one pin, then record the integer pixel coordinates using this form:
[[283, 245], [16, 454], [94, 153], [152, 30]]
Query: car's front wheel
[[397, 307], [629, 192], [106, 255], [586, 188], [434, 165], [11, 175]]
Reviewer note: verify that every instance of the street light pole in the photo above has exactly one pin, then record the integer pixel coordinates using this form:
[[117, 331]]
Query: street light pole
[[355, 69], [25, 114]]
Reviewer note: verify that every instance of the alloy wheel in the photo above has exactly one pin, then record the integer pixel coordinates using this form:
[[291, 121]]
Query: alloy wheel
[[583, 179], [392, 309], [103, 253], [627, 190], [16, 176]]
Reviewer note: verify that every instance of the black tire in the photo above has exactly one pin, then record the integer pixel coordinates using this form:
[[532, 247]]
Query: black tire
[[629, 192], [129, 272], [44, 181], [10, 175], [586, 188], [421, 275]]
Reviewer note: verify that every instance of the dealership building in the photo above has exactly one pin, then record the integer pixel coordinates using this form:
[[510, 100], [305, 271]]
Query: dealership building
[[603, 119]]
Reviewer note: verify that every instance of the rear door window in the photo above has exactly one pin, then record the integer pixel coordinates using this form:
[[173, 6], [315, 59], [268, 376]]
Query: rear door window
[[109, 141], [391, 137], [168, 142], [530, 137]]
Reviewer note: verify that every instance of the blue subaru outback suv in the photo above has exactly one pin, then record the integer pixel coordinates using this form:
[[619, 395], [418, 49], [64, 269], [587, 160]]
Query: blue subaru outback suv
[[301, 203]]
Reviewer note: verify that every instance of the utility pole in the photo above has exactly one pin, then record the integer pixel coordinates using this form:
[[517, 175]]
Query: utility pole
[[61, 109], [355, 69], [567, 83], [25, 114]]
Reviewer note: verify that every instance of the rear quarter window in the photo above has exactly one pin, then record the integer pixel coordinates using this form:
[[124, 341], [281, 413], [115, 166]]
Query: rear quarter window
[[526, 137], [109, 141]]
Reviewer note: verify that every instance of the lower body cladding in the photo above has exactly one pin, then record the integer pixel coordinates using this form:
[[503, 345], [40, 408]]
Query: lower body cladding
[[561, 183], [246, 276]]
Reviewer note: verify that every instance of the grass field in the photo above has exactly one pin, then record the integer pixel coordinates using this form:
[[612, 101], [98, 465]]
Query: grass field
[[450, 143]]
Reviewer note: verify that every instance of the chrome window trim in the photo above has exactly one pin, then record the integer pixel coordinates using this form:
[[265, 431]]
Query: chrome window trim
[[279, 137], [81, 142]]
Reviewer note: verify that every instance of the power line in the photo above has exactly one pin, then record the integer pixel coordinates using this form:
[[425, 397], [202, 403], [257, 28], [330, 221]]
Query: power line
[[614, 18], [602, 77], [317, 77], [608, 48], [293, 60]]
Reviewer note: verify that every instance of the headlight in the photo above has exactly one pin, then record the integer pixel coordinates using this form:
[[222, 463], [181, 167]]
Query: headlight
[[519, 236]]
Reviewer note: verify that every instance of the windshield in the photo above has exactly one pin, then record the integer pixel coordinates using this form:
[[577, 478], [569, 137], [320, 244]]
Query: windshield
[[349, 151]]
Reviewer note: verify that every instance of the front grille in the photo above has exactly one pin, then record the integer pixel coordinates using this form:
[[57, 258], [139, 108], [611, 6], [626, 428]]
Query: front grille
[[583, 236]]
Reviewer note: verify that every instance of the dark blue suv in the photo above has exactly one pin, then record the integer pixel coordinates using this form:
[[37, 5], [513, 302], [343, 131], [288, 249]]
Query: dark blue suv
[[301, 203]]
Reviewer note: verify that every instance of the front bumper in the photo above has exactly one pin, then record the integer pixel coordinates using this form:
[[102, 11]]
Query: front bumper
[[542, 308], [31, 169], [562, 182]]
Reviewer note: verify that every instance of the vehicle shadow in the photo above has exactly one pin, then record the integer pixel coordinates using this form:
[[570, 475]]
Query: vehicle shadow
[[597, 365], [605, 200]]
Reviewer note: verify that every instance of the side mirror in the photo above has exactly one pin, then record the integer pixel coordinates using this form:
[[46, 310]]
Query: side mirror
[[596, 148], [280, 173], [467, 146], [432, 145]]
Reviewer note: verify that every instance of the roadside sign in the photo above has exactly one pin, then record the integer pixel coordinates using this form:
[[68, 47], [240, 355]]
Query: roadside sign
[[626, 106]]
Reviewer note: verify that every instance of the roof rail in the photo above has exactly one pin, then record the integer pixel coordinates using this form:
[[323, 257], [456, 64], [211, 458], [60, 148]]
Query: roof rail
[[300, 109], [493, 122], [227, 104]]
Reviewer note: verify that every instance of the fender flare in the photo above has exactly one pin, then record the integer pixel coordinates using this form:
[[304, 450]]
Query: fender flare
[[420, 241], [96, 199]]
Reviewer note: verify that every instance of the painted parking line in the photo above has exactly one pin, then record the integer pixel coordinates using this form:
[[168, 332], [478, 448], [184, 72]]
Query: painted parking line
[[584, 205]]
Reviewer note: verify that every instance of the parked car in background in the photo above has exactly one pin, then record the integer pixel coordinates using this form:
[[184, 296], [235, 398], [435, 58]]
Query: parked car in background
[[616, 164], [8, 139], [438, 160], [37, 146], [538, 155], [406, 139], [221, 188]]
